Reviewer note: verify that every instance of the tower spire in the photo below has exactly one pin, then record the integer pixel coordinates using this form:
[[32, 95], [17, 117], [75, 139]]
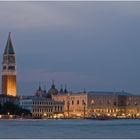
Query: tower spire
[[52, 82], [53, 85], [61, 88], [9, 34], [9, 46], [84, 90], [39, 88], [65, 90]]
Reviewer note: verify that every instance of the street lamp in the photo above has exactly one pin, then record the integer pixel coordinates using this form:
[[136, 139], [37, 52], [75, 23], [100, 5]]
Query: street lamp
[[44, 115]]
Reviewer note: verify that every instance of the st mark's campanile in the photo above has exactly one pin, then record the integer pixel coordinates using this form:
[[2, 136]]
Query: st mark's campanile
[[9, 69]]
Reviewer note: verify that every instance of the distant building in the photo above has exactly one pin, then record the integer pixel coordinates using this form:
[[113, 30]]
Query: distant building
[[130, 105], [75, 104], [9, 70], [42, 107], [118, 104]]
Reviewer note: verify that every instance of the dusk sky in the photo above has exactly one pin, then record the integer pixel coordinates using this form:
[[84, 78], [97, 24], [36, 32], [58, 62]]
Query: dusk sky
[[91, 45]]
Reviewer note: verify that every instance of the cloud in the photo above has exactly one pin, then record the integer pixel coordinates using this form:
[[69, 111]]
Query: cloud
[[45, 75], [33, 15], [51, 15]]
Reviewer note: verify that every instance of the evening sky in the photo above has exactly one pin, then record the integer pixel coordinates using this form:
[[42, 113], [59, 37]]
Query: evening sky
[[91, 45]]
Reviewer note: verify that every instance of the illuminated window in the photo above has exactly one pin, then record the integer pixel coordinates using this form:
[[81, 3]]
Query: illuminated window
[[136, 103], [92, 102], [128, 103]]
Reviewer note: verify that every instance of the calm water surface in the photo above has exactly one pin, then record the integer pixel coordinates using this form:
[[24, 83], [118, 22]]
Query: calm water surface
[[70, 129]]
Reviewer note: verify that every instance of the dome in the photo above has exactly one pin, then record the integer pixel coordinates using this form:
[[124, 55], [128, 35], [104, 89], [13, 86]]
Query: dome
[[40, 92], [52, 91]]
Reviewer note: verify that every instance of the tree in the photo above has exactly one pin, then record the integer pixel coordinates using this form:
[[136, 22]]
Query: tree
[[13, 109]]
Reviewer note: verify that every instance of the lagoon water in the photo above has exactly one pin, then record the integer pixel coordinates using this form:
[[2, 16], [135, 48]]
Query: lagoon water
[[70, 129]]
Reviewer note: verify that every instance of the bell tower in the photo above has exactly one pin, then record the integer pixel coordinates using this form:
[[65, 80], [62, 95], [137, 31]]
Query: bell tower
[[9, 69]]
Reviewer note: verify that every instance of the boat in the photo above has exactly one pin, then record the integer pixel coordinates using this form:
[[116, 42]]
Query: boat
[[100, 117]]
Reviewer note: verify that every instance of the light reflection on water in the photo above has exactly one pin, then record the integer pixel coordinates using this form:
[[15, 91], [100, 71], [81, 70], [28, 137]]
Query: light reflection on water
[[69, 129]]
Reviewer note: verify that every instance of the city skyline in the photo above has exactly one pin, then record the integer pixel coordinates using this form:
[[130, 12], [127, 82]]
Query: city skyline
[[91, 45]]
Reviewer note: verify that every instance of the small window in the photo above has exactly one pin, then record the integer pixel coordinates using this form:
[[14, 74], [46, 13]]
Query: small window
[[11, 68], [72, 102], [83, 102], [78, 102], [4, 67], [108, 102], [115, 103]]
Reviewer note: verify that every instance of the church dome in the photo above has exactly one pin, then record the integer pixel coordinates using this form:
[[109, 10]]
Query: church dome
[[52, 91], [40, 92]]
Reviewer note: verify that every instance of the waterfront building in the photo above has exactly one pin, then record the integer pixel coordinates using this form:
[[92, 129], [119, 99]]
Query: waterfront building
[[113, 104], [42, 107], [75, 104], [130, 105], [9, 70]]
